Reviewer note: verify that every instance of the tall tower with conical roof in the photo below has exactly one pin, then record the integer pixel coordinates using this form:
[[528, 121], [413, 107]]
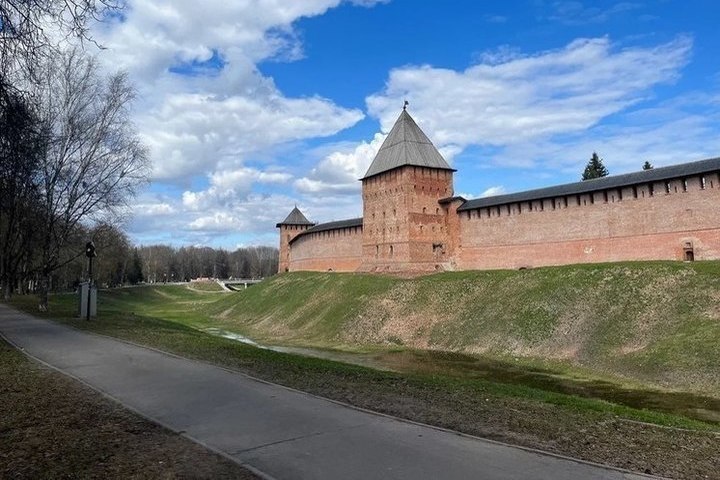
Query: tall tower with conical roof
[[292, 226], [404, 223]]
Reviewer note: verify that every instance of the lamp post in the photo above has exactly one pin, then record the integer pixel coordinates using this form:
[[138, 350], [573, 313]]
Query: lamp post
[[90, 253]]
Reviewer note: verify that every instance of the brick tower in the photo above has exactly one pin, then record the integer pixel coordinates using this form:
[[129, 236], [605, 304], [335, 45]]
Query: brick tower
[[293, 224], [405, 226]]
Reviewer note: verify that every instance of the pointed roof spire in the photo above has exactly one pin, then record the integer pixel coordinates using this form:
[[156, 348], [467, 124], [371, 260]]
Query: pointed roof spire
[[406, 144], [295, 217]]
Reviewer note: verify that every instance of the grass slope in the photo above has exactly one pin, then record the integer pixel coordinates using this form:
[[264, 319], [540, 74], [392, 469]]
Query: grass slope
[[654, 322]]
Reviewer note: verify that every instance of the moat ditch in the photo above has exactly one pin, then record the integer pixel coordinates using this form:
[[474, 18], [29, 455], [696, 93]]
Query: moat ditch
[[454, 364]]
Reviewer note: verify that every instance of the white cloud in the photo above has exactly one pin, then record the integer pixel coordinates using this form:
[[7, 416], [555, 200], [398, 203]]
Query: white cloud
[[554, 92], [576, 13], [204, 103], [230, 187], [340, 171], [153, 209], [493, 191], [509, 100]]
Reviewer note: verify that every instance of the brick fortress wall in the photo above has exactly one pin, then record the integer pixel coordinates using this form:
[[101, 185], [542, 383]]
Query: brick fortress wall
[[339, 250], [661, 220]]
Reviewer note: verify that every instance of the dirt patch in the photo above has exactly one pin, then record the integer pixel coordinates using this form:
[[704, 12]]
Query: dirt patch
[[54, 427]]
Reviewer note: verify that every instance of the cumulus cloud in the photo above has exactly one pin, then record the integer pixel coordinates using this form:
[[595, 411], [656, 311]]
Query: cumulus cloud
[[339, 171], [205, 105], [206, 110], [554, 92], [230, 187]]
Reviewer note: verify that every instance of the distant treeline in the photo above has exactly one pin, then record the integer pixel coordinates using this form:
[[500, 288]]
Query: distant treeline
[[119, 262], [163, 263]]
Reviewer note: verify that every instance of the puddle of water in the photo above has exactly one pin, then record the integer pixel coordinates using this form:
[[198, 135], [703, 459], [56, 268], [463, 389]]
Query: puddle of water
[[468, 366]]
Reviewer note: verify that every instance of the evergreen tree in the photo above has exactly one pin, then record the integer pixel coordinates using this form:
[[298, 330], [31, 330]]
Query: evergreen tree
[[594, 168], [134, 272], [647, 165]]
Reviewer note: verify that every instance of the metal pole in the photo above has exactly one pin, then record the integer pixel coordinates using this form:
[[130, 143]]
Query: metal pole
[[89, 288]]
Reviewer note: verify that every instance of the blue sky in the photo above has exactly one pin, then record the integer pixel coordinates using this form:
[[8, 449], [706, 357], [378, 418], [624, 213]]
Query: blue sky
[[251, 107]]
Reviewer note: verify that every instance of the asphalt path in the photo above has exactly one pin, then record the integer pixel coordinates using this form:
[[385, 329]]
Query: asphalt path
[[278, 432]]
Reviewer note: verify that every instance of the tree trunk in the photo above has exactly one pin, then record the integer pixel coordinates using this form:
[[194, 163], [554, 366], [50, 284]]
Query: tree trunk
[[43, 288]]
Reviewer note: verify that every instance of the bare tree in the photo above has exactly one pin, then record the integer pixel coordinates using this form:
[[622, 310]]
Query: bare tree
[[31, 30], [21, 147], [94, 161]]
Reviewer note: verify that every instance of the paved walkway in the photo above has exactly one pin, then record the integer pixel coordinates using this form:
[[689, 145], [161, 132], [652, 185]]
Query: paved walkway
[[280, 432]]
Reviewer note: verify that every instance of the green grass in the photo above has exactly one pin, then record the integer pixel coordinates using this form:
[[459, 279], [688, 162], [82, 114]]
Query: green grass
[[654, 323], [640, 326], [169, 317], [308, 373]]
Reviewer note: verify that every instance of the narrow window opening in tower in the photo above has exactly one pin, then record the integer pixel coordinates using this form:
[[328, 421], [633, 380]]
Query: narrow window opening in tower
[[667, 187], [684, 185], [702, 183], [424, 210], [377, 250], [391, 251], [605, 196], [651, 189], [437, 211]]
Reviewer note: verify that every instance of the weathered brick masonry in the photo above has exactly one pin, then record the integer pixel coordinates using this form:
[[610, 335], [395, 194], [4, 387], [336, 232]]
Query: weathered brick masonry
[[412, 223]]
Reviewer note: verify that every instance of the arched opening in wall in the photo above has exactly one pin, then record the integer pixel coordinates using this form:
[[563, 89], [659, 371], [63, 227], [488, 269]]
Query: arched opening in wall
[[391, 251], [688, 252], [424, 210], [377, 250]]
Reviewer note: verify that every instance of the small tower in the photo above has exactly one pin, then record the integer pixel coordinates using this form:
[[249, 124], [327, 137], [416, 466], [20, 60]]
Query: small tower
[[293, 224], [404, 222]]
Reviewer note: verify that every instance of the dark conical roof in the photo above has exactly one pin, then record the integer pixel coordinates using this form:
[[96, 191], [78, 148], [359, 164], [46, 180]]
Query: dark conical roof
[[406, 144], [295, 217]]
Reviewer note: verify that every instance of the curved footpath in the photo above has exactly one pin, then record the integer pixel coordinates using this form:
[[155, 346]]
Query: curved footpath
[[278, 432]]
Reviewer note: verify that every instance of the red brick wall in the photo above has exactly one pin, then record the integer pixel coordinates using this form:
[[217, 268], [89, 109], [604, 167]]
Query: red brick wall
[[606, 226], [339, 250], [402, 219]]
